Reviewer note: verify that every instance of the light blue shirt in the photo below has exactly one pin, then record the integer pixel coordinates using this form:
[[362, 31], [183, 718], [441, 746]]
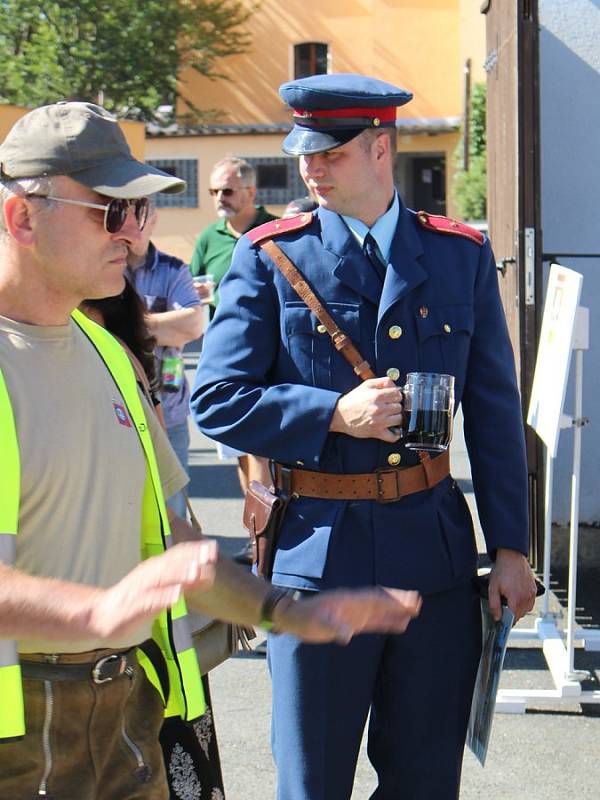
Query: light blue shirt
[[382, 231], [165, 283]]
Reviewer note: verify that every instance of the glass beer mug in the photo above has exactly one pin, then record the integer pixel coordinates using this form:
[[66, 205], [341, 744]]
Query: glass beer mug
[[428, 410]]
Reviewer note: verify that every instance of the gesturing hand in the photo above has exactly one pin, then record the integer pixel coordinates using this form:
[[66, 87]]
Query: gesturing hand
[[370, 411], [338, 615], [153, 585]]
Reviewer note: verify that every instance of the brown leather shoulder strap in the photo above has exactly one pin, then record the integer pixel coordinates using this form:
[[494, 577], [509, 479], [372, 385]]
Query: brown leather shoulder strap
[[341, 341]]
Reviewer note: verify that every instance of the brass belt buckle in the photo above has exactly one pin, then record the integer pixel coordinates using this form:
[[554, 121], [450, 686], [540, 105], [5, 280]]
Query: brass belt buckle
[[381, 494], [115, 669]]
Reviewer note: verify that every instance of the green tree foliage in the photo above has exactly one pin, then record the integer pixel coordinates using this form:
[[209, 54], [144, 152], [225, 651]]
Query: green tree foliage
[[470, 187], [125, 54]]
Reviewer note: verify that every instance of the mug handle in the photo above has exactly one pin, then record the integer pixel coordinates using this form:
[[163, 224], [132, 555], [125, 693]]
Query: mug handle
[[398, 430]]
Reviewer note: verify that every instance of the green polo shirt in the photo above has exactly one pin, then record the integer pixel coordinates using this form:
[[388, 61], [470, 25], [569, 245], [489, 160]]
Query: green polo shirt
[[214, 248]]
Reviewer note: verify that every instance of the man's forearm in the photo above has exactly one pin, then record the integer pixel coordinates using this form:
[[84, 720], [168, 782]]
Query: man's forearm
[[42, 607], [236, 595], [176, 328], [32, 606]]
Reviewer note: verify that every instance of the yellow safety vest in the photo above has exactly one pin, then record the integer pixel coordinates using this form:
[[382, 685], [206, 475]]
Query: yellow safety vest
[[171, 629]]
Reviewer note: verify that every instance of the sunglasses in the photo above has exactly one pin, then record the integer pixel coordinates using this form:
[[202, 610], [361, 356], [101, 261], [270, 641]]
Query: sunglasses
[[115, 212], [225, 192]]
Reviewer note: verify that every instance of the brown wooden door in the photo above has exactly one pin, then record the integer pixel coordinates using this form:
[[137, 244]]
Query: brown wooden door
[[513, 200], [502, 148]]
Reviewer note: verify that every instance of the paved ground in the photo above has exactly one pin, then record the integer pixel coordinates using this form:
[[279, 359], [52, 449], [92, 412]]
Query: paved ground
[[551, 753]]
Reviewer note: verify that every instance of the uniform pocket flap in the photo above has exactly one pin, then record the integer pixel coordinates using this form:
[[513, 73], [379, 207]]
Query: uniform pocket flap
[[300, 319], [444, 320]]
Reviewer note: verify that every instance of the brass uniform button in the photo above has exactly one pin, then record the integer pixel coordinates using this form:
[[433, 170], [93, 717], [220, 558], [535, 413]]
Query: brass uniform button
[[394, 459], [393, 373], [447, 328], [395, 332], [321, 328]]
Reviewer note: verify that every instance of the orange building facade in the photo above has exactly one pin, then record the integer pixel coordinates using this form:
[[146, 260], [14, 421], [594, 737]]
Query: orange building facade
[[421, 45]]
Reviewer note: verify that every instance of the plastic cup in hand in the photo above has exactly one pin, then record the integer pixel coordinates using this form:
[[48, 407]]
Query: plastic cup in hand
[[205, 286]]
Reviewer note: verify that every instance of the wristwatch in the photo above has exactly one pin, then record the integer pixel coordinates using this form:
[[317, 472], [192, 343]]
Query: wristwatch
[[274, 596]]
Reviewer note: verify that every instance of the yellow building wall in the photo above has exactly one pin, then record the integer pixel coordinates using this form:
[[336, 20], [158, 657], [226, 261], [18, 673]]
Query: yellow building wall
[[8, 116], [411, 43], [134, 131], [472, 38], [421, 45], [177, 228]]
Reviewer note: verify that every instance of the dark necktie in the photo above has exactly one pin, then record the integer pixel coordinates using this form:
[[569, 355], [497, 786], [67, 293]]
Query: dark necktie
[[372, 253]]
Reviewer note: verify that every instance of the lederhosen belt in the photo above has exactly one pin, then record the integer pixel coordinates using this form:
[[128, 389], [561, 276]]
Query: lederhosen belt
[[384, 485], [101, 666]]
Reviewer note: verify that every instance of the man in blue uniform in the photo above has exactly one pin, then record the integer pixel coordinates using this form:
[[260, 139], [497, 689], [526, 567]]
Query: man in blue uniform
[[413, 292]]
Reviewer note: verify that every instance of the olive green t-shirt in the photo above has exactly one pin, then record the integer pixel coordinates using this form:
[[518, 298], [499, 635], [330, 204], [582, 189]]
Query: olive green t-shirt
[[214, 248], [82, 465]]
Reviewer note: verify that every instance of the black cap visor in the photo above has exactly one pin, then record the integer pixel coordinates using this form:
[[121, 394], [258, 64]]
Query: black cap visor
[[302, 141]]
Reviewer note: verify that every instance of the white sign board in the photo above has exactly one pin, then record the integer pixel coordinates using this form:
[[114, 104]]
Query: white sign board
[[554, 355]]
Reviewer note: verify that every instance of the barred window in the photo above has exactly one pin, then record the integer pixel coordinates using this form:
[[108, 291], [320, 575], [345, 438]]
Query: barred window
[[187, 170], [277, 180], [310, 58]]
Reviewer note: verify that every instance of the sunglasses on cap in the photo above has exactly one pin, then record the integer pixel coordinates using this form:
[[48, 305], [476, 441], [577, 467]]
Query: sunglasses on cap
[[115, 211], [225, 192]]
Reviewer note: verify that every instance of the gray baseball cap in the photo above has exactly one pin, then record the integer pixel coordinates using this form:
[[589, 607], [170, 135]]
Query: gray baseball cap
[[85, 142]]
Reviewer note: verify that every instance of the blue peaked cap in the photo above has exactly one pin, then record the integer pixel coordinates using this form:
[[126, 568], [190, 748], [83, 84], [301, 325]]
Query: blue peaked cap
[[356, 102]]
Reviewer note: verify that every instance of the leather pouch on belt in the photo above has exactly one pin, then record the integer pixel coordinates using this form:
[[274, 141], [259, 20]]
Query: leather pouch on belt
[[263, 515]]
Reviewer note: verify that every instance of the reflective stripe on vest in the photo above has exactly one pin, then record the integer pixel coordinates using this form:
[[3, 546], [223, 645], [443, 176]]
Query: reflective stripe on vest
[[186, 697], [12, 714]]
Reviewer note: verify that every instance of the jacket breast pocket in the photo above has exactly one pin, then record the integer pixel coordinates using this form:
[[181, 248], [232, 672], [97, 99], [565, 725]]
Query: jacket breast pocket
[[444, 338], [310, 346]]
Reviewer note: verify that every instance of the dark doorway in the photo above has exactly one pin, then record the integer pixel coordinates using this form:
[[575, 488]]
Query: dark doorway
[[429, 185], [421, 180]]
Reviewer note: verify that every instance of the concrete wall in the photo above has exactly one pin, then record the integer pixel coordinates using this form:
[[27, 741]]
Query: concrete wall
[[570, 136]]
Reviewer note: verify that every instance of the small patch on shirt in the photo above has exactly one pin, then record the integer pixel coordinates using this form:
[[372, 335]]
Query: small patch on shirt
[[121, 414]]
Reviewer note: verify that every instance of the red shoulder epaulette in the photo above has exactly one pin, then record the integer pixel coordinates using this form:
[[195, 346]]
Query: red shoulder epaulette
[[276, 227], [440, 224]]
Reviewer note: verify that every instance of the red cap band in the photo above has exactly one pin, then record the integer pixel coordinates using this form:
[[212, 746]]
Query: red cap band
[[386, 114]]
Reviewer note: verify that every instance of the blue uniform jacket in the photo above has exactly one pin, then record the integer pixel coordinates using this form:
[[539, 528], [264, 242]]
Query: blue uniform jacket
[[268, 382]]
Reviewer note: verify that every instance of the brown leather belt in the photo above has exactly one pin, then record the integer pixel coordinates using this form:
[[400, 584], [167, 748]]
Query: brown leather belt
[[100, 666], [384, 486]]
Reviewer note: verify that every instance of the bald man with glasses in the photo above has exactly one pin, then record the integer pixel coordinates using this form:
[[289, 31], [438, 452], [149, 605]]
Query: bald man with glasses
[[233, 189]]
